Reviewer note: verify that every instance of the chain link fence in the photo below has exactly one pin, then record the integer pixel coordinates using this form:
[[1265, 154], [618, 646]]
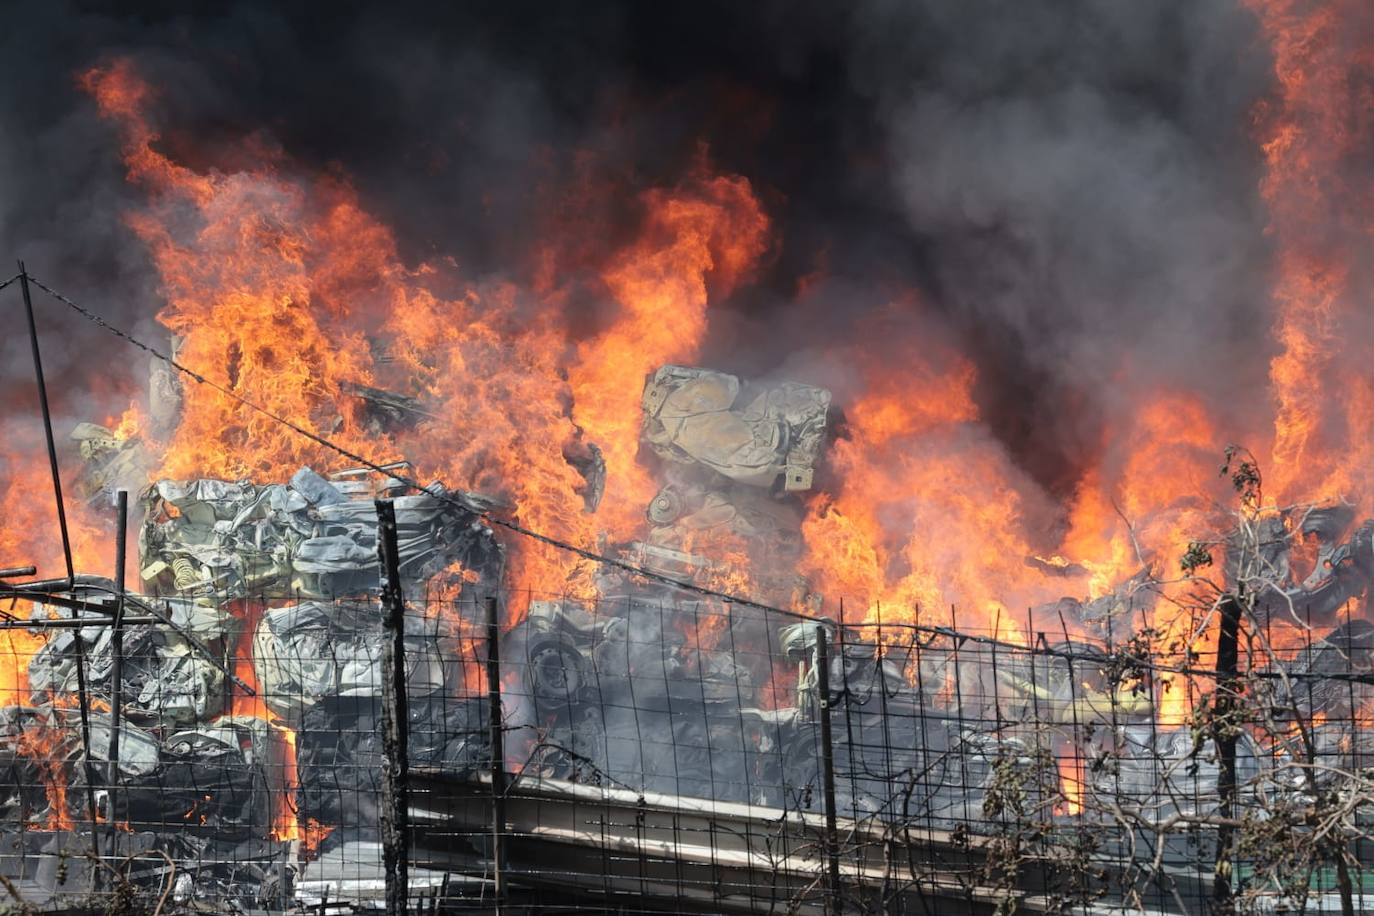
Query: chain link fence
[[661, 754]]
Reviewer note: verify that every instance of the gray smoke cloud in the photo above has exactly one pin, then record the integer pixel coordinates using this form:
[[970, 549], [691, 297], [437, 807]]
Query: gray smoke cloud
[[1083, 177]]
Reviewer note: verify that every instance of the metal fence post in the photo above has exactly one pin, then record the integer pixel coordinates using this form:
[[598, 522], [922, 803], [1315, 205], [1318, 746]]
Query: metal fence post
[[117, 665], [498, 754], [834, 905], [395, 719], [1224, 735]]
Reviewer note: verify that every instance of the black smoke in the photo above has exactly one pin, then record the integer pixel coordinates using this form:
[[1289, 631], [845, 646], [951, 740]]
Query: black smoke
[[1067, 189]]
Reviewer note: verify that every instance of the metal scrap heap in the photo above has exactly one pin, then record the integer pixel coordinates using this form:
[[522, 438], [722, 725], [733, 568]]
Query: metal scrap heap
[[250, 697]]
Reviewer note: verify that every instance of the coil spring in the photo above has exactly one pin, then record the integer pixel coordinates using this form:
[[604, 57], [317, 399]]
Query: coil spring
[[184, 573]]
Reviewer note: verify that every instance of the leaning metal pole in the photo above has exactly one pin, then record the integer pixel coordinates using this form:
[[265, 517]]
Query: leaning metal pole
[[834, 905], [498, 755], [47, 423], [395, 719], [83, 700]]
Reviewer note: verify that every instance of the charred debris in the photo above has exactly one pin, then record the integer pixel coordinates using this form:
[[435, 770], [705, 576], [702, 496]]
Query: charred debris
[[243, 770], [248, 670]]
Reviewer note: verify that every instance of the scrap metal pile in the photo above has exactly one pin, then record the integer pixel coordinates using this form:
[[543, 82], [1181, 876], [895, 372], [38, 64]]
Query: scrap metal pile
[[251, 739], [250, 702], [661, 690]]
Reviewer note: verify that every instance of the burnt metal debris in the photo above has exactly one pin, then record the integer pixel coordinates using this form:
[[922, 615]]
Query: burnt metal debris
[[658, 749], [244, 688], [235, 539], [759, 435]]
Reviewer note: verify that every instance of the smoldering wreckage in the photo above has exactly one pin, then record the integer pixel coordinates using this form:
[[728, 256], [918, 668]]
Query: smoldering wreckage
[[250, 753]]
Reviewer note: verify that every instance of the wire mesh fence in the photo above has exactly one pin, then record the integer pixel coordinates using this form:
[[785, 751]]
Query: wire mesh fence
[[663, 753]]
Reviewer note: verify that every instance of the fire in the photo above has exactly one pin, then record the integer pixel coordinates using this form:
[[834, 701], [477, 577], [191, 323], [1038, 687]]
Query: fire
[[927, 511], [29, 536], [445, 611], [285, 824], [1314, 135], [1071, 780], [715, 232], [23, 474], [17, 648], [1164, 463], [313, 835], [47, 744], [283, 290], [239, 293], [283, 281]]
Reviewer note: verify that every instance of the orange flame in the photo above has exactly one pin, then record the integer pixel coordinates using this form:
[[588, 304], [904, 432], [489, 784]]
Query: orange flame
[[47, 745], [285, 824], [286, 292], [1072, 780], [282, 282], [1315, 136], [928, 509], [714, 230]]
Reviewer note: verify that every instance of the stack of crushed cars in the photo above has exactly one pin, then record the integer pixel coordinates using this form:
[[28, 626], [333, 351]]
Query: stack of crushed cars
[[658, 687], [665, 690], [215, 738], [627, 691], [733, 458]]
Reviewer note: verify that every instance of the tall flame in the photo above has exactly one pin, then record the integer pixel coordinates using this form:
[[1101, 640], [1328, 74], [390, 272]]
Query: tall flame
[[284, 292], [1315, 137], [927, 511], [717, 232], [283, 289]]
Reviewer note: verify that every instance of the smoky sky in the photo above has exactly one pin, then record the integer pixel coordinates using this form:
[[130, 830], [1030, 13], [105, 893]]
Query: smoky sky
[[1067, 189]]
